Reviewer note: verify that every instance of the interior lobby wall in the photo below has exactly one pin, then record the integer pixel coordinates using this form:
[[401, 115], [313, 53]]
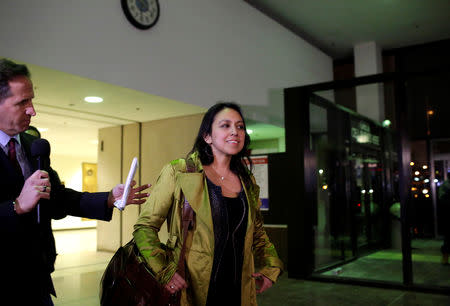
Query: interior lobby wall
[[69, 169], [163, 141], [199, 51], [130, 149], [109, 168], [156, 143]]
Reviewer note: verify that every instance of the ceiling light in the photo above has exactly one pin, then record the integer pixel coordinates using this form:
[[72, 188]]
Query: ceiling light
[[93, 99]]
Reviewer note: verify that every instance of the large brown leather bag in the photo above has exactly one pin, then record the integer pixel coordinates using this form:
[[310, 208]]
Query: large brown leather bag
[[128, 281]]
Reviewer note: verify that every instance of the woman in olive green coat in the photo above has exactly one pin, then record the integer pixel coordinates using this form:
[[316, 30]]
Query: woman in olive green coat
[[228, 241]]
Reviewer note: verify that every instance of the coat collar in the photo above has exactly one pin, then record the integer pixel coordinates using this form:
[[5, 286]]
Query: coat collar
[[26, 140], [193, 186], [25, 143], [195, 192]]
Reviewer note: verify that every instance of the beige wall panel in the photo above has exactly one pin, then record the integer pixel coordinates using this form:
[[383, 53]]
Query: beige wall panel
[[131, 139], [163, 141], [109, 166]]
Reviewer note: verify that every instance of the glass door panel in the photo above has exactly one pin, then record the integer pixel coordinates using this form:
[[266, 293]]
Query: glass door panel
[[352, 234], [430, 224], [331, 243]]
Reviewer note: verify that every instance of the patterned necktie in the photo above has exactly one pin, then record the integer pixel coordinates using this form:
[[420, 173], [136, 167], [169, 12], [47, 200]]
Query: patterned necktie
[[12, 155]]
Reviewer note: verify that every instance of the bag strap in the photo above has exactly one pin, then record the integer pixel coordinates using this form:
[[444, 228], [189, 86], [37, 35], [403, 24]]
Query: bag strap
[[188, 223]]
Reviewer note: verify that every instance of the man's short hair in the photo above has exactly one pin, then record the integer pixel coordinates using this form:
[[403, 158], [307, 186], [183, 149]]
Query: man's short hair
[[8, 71]]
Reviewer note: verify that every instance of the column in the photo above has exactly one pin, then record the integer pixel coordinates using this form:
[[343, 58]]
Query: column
[[369, 98]]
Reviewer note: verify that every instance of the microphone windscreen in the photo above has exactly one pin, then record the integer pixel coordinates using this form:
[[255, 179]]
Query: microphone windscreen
[[40, 147]]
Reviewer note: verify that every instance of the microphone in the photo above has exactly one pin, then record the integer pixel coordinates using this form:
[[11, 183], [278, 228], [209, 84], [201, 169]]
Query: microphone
[[40, 151]]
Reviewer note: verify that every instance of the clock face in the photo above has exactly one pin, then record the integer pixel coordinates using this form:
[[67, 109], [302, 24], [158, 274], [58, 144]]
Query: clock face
[[143, 14]]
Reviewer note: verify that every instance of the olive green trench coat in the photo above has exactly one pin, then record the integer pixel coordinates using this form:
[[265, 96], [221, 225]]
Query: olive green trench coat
[[166, 201]]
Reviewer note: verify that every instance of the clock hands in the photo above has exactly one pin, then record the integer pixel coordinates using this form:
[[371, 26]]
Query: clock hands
[[142, 5]]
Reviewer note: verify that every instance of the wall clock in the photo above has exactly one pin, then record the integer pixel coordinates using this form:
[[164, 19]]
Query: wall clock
[[143, 14]]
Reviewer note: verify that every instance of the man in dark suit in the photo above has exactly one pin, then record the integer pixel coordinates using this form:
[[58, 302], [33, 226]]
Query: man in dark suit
[[28, 252]]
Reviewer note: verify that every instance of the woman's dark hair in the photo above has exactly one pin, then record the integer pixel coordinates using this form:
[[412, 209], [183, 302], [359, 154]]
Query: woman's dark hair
[[237, 164]]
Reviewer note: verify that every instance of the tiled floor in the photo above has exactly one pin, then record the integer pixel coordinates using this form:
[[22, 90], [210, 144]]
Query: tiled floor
[[386, 265], [298, 292], [79, 269]]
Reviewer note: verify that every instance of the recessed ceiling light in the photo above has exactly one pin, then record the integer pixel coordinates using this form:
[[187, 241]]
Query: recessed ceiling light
[[93, 99]]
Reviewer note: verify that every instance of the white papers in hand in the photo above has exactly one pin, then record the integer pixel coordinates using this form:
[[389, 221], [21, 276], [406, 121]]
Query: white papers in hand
[[120, 204]]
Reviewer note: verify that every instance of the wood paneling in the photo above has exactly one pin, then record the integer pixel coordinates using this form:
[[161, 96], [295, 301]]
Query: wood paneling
[[163, 141], [109, 174], [131, 144]]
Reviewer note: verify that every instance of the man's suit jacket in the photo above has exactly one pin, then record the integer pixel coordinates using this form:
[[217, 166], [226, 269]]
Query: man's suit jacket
[[28, 252]]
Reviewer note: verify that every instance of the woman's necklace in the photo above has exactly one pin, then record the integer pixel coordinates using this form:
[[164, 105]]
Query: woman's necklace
[[222, 177], [230, 187]]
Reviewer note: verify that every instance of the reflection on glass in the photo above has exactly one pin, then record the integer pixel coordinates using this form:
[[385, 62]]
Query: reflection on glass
[[265, 138], [430, 215], [324, 240], [354, 214]]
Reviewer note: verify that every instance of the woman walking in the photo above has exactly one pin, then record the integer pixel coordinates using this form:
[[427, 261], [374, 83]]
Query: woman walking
[[229, 257]]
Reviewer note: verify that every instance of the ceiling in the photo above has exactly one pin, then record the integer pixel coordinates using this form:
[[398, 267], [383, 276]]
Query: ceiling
[[336, 26], [332, 26], [71, 124]]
